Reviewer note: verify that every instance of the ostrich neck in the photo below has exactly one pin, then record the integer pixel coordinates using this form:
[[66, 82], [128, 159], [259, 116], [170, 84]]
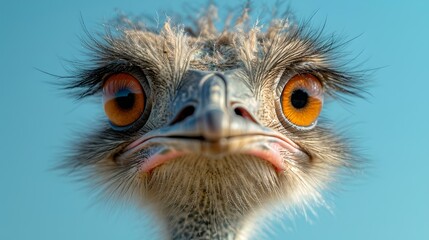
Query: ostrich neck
[[212, 199], [205, 223]]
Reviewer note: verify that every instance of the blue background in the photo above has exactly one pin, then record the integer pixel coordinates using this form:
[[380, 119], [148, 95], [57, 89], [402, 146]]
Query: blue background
[[389, 201]]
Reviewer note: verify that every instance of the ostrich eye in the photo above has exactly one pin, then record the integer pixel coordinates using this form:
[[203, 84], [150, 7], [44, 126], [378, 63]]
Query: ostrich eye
[[123, 99], [302, 100]]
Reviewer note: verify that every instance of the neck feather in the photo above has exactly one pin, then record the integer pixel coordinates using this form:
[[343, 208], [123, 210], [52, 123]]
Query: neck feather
[[205, 222]]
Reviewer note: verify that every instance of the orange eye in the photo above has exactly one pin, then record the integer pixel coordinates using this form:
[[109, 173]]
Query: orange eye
[[123, 99], [302, 100]]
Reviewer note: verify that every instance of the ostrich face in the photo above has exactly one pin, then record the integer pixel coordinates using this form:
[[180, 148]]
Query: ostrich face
[[212, 115], [208, 128]]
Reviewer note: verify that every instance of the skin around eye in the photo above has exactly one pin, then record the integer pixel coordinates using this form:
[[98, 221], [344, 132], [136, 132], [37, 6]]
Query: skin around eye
[[302, 100], [123, 99]]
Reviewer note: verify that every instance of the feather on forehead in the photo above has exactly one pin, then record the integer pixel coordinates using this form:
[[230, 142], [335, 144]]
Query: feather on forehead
[[233, 46], [261, 51]]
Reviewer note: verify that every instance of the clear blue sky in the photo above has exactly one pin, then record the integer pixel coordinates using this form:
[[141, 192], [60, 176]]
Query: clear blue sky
[[390, 201]]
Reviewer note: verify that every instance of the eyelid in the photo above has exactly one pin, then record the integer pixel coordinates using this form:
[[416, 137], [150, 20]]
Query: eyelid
[[142, 83], [307, 90], [123, 99]]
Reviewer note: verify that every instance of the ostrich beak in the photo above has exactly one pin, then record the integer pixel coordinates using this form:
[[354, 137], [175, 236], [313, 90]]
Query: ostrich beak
[[213, 115]]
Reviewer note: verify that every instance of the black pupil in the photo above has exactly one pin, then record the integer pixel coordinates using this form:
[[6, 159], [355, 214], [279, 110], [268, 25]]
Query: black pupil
[[125, 99], [299, 98]]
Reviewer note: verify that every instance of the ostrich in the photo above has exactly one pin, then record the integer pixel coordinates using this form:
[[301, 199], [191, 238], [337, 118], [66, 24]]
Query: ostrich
[[212, 128]]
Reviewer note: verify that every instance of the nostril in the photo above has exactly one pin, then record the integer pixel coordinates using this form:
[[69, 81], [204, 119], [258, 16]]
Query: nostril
[[242, 112], [182, 115]]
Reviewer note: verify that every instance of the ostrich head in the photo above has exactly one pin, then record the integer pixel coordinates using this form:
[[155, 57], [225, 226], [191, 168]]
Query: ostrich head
[[211, 127]]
